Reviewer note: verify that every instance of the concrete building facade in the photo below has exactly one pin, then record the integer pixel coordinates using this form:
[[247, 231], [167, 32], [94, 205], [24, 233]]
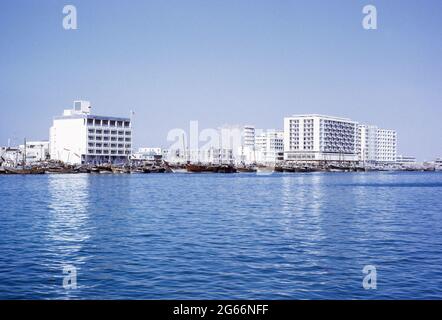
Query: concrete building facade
[[377, 145], [36, 151], [269, 146], [78, 137], [314, 137]]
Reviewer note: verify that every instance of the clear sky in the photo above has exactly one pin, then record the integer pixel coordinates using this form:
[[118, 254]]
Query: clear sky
[[224, 62]]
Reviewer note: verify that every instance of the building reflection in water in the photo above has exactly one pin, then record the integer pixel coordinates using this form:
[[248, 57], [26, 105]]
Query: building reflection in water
[[302, 200], [303, 211], [68, 226]]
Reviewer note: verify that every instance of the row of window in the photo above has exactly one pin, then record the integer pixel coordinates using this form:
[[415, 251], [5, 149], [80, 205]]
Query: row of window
[[99, 138], [111, 145], [301, 156], [110, 123], [106, 152], [114, 132]]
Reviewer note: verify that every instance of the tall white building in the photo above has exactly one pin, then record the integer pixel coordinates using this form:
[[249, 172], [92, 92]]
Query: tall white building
[[314, 137], [247, 153], [386, 145], [249, 136], [79, 137], [269, 146], [377, 145]]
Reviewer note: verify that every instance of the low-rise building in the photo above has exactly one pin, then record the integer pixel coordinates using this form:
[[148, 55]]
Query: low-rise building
[[10, 156], [148, 154], [36, 151], [401, 159]]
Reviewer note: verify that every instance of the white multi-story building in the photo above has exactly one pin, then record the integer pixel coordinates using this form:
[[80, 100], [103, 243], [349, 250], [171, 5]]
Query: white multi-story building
[[377, 145], [247, 153], [249, 136], [269, 146], [35, 151], [386, 145], [314, 137], [78, 137]]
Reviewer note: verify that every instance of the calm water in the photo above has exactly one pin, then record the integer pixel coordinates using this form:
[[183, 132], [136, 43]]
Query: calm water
[[284, 236]]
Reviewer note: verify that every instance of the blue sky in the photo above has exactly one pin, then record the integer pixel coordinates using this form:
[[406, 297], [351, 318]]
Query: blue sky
[[224, 62]]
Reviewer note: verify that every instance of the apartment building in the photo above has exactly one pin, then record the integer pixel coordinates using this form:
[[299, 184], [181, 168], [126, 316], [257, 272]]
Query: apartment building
[[269, 146], [377, 145]]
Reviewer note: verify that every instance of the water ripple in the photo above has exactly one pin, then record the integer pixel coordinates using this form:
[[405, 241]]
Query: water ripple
[[297, 236]]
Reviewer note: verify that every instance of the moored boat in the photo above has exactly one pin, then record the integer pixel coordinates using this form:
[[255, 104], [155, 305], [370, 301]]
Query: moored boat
[[24, 170], [226, 168], [267, 169], [120, 170], [198, 168], [61, 170], [245, 169], [179, 170]]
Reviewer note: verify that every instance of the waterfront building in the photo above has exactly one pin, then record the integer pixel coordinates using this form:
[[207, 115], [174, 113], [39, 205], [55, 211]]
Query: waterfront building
[[221, 145], [212, 155], [377, 145], [401, 159], [246, 153], [217, 155], [269, 146], [148, 154], [314, 137], [249, 136], [438, 164], [10, 156], [78, 137], [35, 151]]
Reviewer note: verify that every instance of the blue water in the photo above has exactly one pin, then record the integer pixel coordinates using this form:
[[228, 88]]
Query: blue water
[[240, 236]]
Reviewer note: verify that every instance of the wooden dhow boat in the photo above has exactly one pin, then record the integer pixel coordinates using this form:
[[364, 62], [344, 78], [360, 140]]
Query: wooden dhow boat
[[245, 169], [24, 170], [198, 168]]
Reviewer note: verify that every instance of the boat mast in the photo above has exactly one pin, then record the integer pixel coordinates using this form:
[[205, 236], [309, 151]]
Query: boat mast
[[24, 152], [186, 155]]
